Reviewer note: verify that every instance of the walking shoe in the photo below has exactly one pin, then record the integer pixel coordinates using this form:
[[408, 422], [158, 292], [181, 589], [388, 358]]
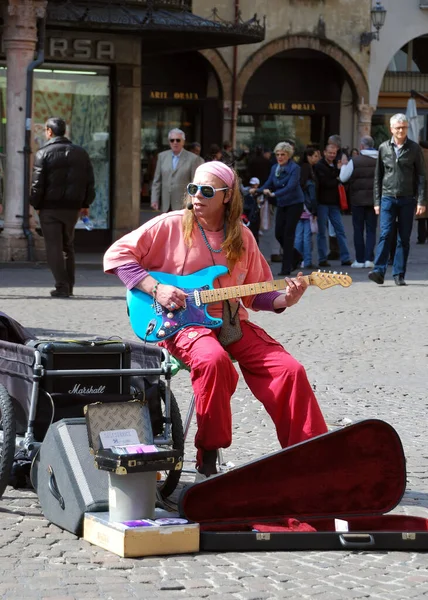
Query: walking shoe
[[368, 264], [276, 258], [346, 263], [399, 280], [324, 263], [59, 294], [376, 277], [357, 265]]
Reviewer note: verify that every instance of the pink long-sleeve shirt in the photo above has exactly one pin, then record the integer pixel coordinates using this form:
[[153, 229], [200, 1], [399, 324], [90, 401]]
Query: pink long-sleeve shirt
[[159, 245]]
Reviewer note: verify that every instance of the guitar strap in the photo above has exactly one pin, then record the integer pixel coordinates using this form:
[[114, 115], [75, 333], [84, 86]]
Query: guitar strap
[[230, 331]]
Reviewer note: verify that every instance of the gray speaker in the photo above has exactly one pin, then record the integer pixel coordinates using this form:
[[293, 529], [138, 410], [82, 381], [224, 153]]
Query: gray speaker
[[65, 478]]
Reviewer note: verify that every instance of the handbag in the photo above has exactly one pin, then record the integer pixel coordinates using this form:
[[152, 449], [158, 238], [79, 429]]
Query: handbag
[[343, 200], [314, 224], [230, 331]]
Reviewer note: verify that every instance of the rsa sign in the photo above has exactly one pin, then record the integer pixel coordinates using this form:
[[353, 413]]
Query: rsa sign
[[81, 49]]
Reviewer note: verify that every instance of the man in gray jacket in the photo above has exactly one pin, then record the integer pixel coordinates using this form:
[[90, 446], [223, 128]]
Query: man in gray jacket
[[174, 170], [399, 189], [359, 172]]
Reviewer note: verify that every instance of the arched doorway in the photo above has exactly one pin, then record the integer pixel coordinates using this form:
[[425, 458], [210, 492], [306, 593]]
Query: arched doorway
[[301, 94], [407, 70]]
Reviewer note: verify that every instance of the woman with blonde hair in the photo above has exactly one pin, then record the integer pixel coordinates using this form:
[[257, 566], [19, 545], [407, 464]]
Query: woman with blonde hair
[[208, 232], [284, 191]]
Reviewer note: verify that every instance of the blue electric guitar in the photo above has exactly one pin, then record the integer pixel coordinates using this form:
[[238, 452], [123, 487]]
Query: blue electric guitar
[[152, 322]]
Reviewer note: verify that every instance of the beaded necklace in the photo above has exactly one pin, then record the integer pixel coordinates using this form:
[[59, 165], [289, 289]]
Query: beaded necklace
[[208, 245]]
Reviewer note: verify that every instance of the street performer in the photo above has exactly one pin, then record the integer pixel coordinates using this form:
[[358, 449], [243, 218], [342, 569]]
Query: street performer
[[209, 232]]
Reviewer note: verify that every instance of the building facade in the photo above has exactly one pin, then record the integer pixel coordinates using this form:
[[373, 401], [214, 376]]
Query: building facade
[[307, 77]]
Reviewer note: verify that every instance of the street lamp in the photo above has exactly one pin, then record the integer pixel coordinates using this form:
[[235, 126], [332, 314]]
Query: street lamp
[[378, 14]]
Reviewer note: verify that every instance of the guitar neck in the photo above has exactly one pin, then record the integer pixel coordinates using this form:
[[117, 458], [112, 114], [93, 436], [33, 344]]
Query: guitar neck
[[250, 289]]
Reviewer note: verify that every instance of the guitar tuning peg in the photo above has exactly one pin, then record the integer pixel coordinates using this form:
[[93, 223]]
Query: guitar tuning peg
[[341, 273], [334, 272]]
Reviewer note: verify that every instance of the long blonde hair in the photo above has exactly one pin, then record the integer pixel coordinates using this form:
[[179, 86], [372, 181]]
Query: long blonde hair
[[233, 245]]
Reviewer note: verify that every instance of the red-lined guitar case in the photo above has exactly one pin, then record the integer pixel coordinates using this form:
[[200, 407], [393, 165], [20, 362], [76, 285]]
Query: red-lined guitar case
[[329, 493]]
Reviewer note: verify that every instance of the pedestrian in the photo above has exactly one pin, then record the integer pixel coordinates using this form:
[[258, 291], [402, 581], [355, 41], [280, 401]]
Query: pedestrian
[[360, 171], [305, 226], [282, 188], [210, 232], [252, 202], [228, 156], [174, 168], [399, 189], [327, 174], [259, 164], [214, 153], [336, 141], [196, 148], [62, 190], [423, 219]]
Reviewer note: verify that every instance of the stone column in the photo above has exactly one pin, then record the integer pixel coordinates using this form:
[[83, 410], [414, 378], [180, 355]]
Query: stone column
[[20, 37], [127, 149], [365, 113]]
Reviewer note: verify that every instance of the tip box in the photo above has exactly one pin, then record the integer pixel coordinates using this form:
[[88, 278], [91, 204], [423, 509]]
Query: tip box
[[148, 539]]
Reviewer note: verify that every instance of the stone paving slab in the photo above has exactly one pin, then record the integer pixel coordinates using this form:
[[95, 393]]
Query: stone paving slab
[[365, 350]]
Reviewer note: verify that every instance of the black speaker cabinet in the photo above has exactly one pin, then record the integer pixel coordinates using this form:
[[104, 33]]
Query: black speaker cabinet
[[65, 478], [67, 395], [84, 355]]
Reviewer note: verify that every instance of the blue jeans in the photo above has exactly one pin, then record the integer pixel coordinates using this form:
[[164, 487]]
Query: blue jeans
[[324, 213], [303, 240], [392, 209], [364, 216]]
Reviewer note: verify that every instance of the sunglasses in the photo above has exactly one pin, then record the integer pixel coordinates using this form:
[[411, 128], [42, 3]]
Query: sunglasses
[[207, 191], [176, 140]]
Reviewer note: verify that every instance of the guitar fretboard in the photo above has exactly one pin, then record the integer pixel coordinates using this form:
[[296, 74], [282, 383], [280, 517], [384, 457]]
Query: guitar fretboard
[[250, 289]]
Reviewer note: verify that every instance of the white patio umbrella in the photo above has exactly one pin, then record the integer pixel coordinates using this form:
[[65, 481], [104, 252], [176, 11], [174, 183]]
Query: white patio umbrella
[[412, 117]]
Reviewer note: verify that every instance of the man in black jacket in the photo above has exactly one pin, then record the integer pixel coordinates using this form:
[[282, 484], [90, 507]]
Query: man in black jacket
[[62, 190], [327, 174], [399, 188], [360, 171]]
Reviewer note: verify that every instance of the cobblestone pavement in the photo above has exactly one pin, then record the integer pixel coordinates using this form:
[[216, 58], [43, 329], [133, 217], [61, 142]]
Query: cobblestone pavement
[[365, 350]]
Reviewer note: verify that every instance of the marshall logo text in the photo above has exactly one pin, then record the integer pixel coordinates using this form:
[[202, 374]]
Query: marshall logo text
[[78, 389]]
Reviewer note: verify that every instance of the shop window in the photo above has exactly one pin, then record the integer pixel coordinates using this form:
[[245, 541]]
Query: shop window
[[82, 99]]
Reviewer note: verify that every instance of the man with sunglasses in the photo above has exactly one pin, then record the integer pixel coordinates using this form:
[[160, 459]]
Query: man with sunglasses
[[208, 233], [174, 169]]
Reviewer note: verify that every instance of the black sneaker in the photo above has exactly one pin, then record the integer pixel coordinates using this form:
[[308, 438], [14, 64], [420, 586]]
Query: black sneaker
[[376, 277], [324, 263], [60, 294], [399, 280], [346, 263]]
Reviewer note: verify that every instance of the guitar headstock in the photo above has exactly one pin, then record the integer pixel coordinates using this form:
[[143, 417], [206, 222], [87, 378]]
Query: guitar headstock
[[325, 280]]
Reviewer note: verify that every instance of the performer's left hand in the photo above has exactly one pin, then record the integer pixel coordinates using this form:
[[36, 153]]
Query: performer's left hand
[[295, 289]]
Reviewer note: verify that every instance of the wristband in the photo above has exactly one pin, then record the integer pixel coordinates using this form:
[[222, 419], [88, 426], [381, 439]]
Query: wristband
[[155, 289]]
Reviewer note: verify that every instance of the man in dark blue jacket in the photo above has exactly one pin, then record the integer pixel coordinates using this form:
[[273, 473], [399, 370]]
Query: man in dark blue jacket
[[62, 190]]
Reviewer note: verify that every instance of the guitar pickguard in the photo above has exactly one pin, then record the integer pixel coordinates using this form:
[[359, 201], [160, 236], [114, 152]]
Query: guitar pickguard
[[170, 322]]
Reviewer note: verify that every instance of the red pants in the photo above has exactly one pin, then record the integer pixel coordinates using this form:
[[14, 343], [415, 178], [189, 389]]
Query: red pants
[[272, 374]]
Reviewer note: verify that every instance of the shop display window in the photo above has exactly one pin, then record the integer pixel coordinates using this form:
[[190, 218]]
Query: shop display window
[[81, 96]]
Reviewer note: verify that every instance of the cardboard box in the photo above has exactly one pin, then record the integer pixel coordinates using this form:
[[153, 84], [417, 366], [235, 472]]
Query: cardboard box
[[140, 538]]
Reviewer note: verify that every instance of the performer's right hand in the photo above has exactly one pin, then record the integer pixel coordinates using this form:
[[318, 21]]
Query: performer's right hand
[[170, 296]]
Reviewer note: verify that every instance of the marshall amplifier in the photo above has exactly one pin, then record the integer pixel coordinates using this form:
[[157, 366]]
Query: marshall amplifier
[[84, 355], [65, 396]]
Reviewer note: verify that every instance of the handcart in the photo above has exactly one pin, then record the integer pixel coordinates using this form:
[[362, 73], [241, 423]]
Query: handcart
[[43, 381]]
